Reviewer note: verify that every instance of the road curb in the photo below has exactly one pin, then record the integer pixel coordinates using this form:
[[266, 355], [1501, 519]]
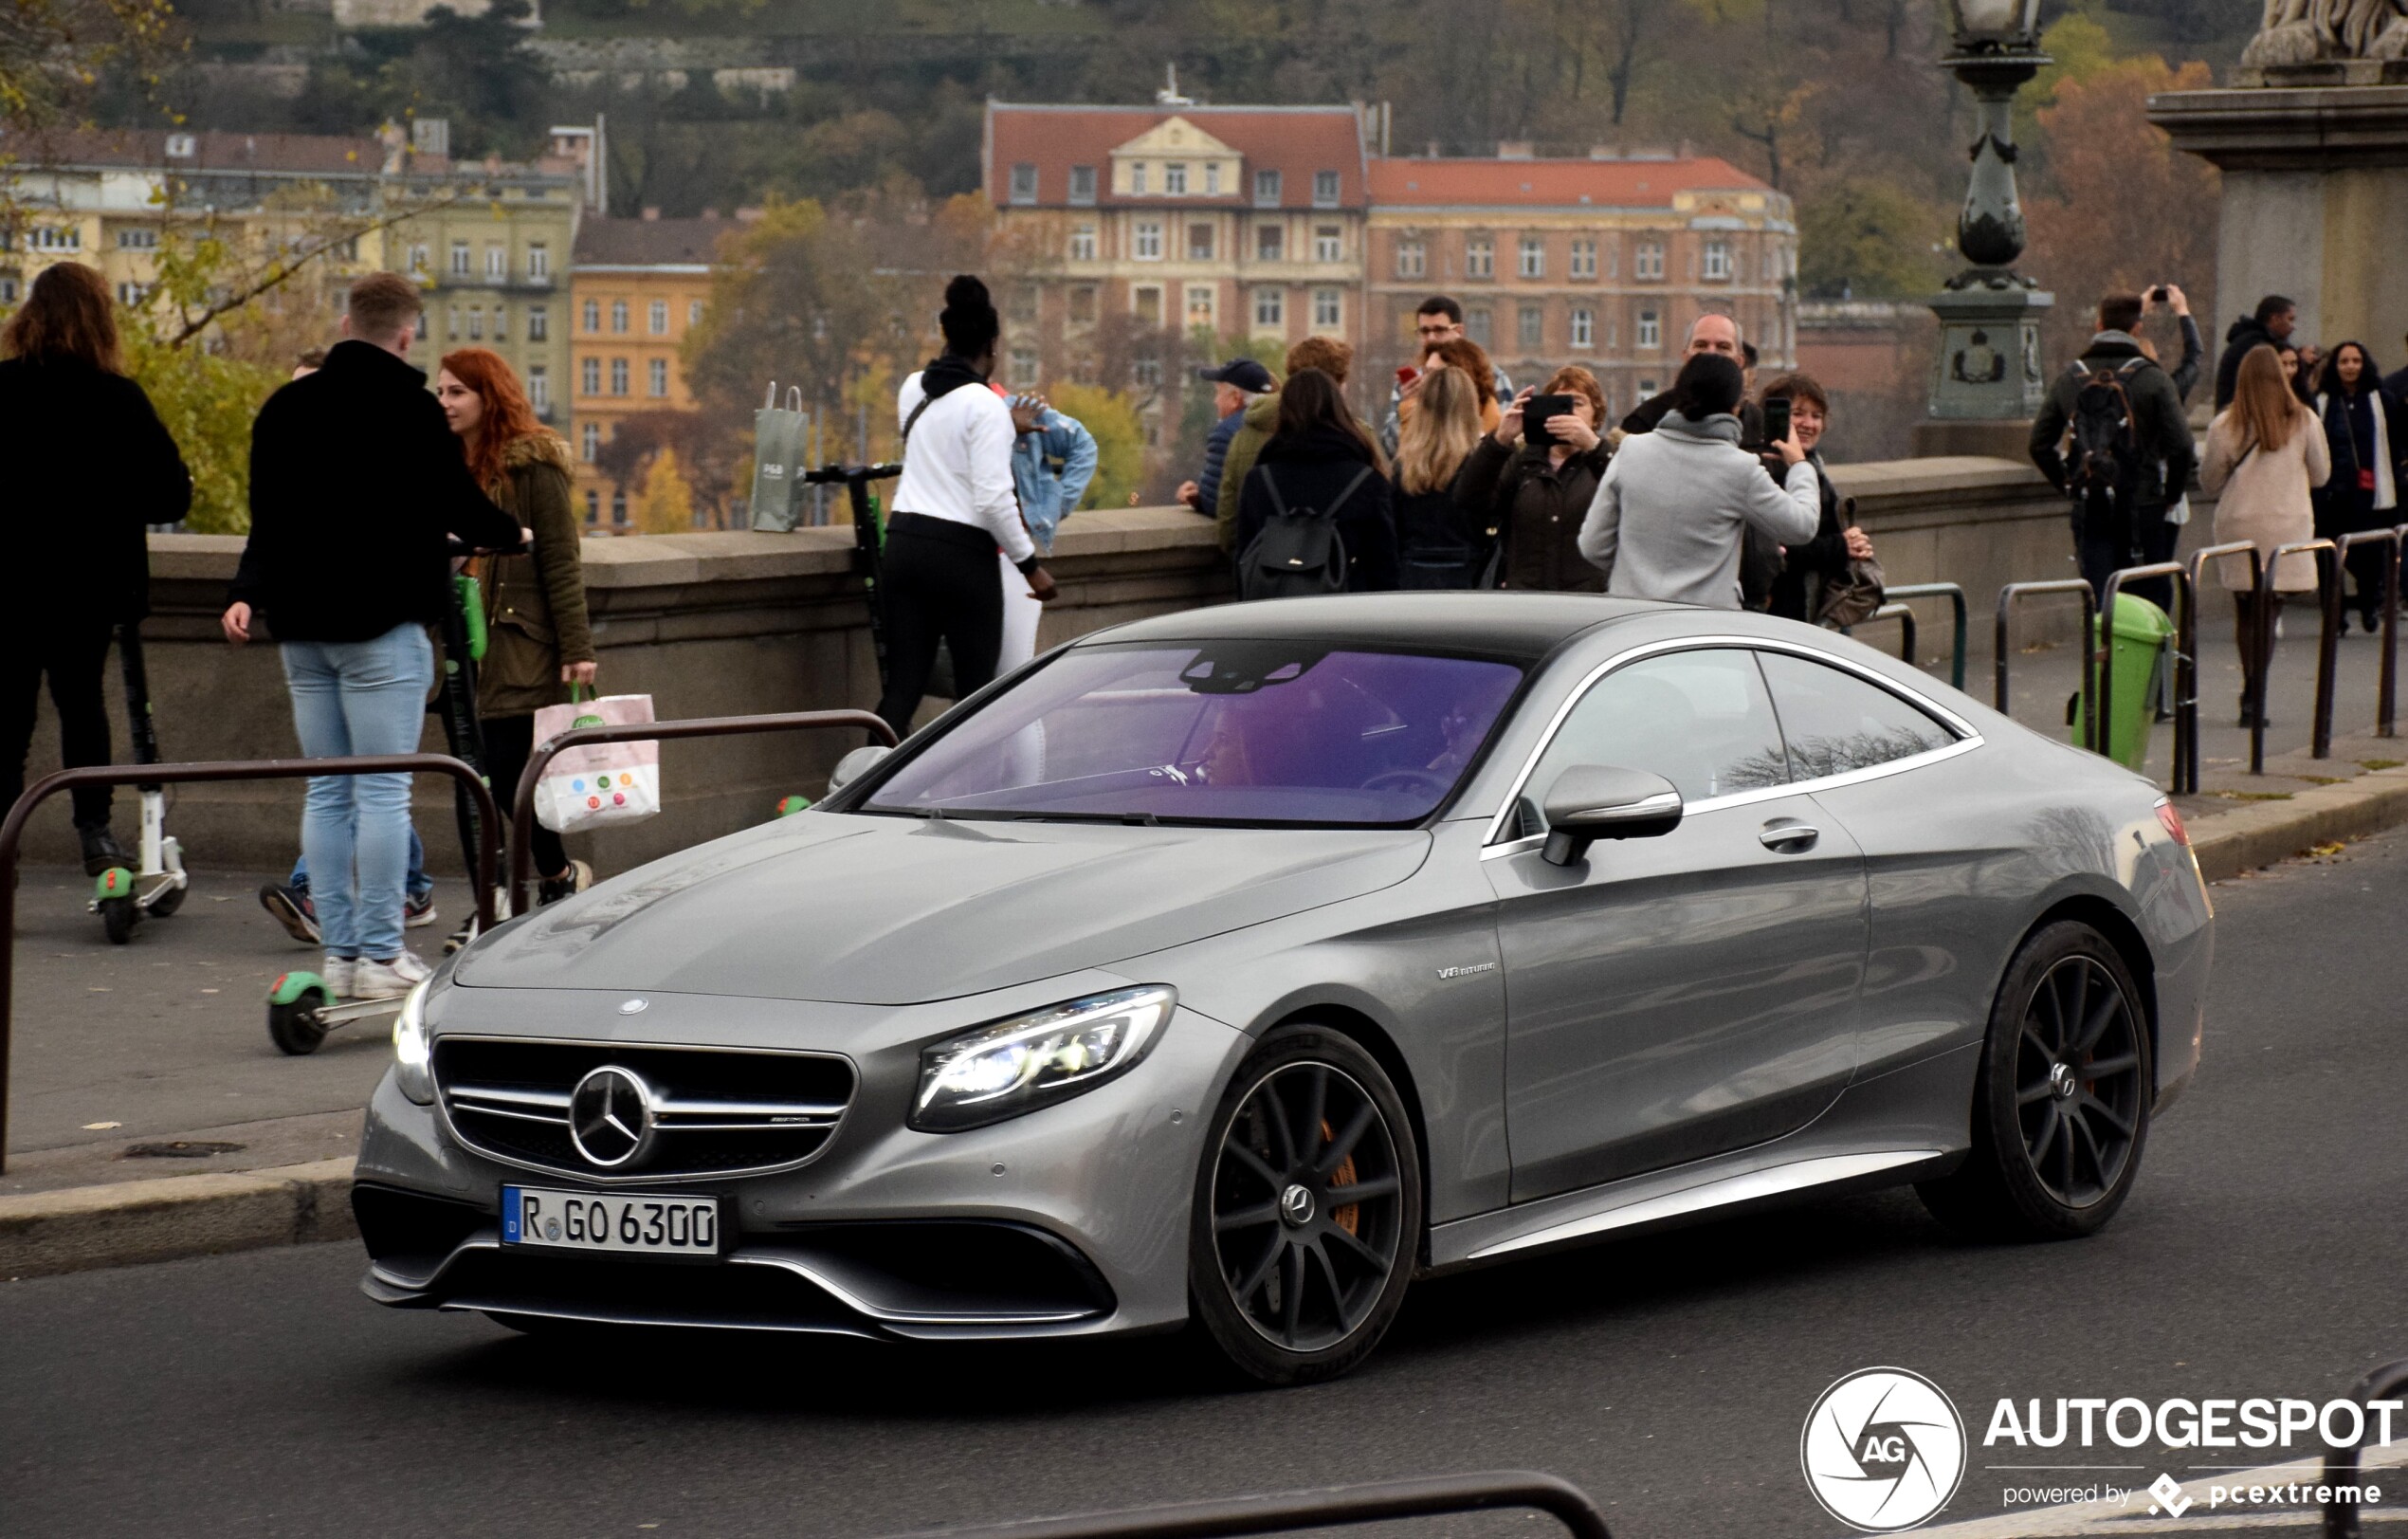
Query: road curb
[[2260, 834], [43, 1233]]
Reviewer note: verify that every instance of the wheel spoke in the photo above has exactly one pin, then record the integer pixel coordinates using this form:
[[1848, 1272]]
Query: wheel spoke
[[2089, 1141], [2054, 1027], [1348, 1136], [1347, 1319], [2102, 1068], [1356, 1243], [2081, 1002], [2065, 1160], [2039, 1044], [1252, 1162], [2095, 1027], [2038, 1090], [1275, 1112], [2120, 1124], [1262, 1273], [1362, 1191], [1316, 1099], [1292, 1287], [1266, 1213], [2040, 1147]]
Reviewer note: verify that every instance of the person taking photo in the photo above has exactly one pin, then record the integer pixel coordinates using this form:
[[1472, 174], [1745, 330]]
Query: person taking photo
[[1534, 489]]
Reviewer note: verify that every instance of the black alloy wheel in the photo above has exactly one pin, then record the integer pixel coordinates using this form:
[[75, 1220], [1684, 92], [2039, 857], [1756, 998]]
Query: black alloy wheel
[[2061, 1099], [1308, 1210]]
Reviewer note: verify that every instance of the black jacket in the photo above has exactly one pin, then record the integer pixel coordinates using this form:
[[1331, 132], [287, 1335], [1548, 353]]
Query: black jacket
[[89, 465], [2343, 506], [1798, 590], [2160, 425], [1311, 473], [1644, 416], [355, 480], [2243, 335], [1536, 508]]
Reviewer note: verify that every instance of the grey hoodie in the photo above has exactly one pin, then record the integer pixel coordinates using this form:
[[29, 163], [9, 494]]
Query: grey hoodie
[[1669, 516]]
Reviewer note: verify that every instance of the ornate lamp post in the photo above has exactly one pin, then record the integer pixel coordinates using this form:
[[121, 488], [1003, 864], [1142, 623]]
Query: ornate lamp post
[[1989, 365]]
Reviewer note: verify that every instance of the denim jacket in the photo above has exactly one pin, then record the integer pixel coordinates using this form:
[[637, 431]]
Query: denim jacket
[[1051, 468]]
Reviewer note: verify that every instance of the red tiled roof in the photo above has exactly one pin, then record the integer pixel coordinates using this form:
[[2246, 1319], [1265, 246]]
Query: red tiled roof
[[650, 242], [1628, 184], [1294, 141]]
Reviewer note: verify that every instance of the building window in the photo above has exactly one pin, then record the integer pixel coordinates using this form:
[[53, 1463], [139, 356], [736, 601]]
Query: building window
[[593, 316], [476, 323], [1531, 327], [1270, 243], [451, 324], [618, 507], [1270, 309], [1324, 190], [657, 379], [1024, 182], [1413, 259], [1199, 242], [693, 313], [1137, 177], [590, 376], [618, 317], [589, 444], [1649, 260], [593, 507], [538, 262], [538, 323], [501, 325], [55, 238], [1584, 329], [1175, 179], [1534, 257], [1212, 179], [1149, 240], [459, 259], [1329, 309], [1650, 331], [1199, 304], [8, 288], [539, 390], [1082, 244], [139, 238], [1083, 185], [418, 258], [1329, 242], [1020, 303], [129, 295], [1145, 302], [1718, 259], [1479, 257], [1083, 304], [1479, 325], [1647, 389], [422, 325], [657, 317], [497, 263], [1147, 373], [618, 376], [1024, 368], [1266, 190], [1584, 259]]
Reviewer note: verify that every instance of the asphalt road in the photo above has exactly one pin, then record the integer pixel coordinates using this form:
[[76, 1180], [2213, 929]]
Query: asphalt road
[[2261, 1255]]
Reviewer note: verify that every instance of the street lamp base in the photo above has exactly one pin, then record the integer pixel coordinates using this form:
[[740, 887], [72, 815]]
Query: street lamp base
[[1989, 363]]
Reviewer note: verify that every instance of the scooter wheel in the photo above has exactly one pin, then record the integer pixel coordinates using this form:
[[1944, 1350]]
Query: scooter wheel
[[168, 902], [294, 1027], [117, 916]]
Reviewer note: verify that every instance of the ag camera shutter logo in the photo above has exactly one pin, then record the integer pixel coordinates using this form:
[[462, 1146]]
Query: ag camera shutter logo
[[1884, 1450]]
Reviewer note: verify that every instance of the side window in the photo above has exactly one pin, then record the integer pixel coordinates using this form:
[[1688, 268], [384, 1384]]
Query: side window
[[1700, 719], [1835, 722]]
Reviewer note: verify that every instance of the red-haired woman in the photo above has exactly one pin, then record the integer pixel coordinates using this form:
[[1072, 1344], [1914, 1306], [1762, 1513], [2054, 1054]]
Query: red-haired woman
[[89, 466], [537, 640]]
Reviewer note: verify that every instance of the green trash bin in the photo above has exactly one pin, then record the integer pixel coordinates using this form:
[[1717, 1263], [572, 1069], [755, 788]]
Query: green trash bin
[[2143, 639]]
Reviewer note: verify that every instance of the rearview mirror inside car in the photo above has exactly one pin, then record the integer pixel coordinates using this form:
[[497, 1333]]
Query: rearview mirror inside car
[[1589, 802], [854, 764]]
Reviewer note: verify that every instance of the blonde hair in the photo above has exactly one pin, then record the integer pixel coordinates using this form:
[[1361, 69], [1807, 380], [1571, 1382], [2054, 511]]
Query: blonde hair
[[2264, 412], [1435, 437]]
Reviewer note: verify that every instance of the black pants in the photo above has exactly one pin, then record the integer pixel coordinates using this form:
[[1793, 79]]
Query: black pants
[[508, 742], [74, 655], [940, 583], [2366, 577], [2099, 559]]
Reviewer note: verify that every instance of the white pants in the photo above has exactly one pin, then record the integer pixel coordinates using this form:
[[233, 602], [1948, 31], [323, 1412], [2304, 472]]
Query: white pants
[[1020, 614]]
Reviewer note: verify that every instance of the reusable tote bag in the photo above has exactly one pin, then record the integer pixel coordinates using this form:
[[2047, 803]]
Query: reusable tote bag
[[603, 783], [778, 462]]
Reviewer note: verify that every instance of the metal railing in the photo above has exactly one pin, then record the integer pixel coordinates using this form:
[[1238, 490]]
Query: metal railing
[[2014, 594], [522, 799], [2102, 668], [2391, 540], [1296, 1511], [2327, 646], [1955, 597], [1905, 616], [2340, 1464], [13, 833], [2200, 560]]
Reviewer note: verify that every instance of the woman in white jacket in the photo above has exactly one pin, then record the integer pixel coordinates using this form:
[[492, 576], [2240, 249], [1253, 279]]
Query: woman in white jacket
[[1674, 505], [2265, 457]]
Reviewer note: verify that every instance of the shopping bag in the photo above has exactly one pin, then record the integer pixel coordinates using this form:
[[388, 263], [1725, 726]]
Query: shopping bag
[[777, 461], [603, 783]]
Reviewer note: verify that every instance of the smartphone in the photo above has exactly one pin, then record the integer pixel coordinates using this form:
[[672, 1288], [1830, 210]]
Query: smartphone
[[1536, 412], [1776, 420], [1407, 374], [2157, 295]]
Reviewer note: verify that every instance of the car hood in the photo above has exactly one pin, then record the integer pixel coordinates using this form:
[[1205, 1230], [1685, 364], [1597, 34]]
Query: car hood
[[860, 909]]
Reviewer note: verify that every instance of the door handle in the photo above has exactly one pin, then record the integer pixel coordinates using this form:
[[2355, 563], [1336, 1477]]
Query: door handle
[[1789, 837]]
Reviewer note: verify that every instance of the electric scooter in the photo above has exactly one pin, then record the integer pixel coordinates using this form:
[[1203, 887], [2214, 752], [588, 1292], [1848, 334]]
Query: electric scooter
[[121, 897]]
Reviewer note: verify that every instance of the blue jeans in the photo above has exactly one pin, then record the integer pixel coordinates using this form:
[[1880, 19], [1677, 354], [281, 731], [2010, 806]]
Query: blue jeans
[[359, 697], [417, 885]]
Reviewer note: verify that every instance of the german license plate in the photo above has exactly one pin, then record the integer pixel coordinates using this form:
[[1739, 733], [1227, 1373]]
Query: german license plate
[[625, 1222]]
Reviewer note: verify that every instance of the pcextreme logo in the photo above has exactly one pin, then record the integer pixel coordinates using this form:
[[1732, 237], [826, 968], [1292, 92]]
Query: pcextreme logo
[[1884, 1450]]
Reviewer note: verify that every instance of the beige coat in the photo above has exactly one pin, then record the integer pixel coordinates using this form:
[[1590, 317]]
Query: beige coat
[[2263, 497]]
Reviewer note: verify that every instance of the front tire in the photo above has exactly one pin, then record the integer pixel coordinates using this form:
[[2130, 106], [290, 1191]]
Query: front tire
[[1307, 1220], [2061, 1102]]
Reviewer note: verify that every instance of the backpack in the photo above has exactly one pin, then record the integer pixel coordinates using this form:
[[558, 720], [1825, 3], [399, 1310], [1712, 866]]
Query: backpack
[[2104, 472], [1296, 554]]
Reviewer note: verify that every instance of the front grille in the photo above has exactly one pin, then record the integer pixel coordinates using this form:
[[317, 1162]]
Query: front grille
[[715, 1112]]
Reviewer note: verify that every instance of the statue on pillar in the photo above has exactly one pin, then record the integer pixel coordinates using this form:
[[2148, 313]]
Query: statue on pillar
[[2315, 31]]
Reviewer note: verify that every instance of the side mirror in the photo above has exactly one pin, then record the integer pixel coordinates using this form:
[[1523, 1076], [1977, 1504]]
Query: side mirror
[[854, 764], [1589, 802]]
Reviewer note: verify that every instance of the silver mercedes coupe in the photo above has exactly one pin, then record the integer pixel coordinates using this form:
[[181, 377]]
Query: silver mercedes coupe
[[1234, 968]]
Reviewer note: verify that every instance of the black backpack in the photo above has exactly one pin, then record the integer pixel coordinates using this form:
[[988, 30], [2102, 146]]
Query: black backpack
[[2104, 472], [1296, 554]]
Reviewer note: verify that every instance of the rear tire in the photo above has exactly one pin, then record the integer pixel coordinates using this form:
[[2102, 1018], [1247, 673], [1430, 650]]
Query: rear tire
[[295, 1028], [2061, 1101], [1307, 1220], [117, 916]]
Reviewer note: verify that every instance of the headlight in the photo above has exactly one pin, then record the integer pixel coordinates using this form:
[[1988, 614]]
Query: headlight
[[1030, 1061], [413, 1056]]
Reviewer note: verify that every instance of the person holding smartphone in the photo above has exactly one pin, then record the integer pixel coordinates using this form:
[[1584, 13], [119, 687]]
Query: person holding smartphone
[[1796, 405], [1529, 481]]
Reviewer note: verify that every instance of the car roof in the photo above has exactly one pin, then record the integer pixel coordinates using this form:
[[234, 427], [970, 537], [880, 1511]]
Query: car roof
[[1524, 626]]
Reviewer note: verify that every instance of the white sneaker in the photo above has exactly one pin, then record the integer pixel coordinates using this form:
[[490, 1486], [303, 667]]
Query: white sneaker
[[390, 978], [341, 974]]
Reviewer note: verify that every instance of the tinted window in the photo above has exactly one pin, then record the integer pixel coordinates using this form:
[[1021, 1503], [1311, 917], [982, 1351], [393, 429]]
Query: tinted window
[[1700, 719], [1235, 732], [1835, 722]]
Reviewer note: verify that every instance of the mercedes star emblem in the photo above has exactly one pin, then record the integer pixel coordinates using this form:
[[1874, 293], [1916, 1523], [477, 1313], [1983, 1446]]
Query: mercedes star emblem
[[611, 1117]]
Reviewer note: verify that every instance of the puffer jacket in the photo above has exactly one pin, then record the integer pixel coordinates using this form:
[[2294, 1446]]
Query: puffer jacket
[[535, 603]]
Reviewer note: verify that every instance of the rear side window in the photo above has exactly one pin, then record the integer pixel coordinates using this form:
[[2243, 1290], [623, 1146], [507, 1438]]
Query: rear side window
[[1834, 722], [1700, 719]]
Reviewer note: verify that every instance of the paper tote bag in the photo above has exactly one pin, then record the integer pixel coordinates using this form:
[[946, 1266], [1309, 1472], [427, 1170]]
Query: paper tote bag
[[603, 783], [777, 461]]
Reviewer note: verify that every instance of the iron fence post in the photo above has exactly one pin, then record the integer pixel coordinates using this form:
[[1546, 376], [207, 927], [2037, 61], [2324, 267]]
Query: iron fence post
[[2341, 1518], [2390, 540], [2103, 661], [2199, 560], [1956, 597], [2012, 594]]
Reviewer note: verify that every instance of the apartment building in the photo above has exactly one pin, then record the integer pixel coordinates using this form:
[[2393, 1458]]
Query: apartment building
[[1604, 262], [638, 287]]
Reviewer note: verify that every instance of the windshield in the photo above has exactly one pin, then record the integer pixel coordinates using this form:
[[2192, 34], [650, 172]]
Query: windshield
[[1244, 732]]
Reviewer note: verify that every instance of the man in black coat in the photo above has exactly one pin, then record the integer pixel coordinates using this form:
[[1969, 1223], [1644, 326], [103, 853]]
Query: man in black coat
[[2163, 448], [1710, 334], [2270, 324]]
